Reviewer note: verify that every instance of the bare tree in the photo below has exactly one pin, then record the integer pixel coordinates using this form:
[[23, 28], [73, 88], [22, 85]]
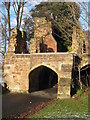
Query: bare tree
[[7, 6], [3, 22], [18, 9]]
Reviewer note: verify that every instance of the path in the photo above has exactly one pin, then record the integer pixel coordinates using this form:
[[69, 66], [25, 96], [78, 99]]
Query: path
[[15, 104]]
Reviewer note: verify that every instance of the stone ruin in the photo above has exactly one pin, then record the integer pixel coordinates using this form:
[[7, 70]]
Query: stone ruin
[[19, 62], [80, 41], [18, 38], [43, 40]]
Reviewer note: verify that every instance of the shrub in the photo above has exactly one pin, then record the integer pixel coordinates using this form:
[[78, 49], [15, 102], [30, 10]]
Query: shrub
[[69, 48], [79, 92]]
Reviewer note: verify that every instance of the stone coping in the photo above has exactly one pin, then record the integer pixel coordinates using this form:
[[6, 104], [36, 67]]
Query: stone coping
[[55, 53], [85, 54]]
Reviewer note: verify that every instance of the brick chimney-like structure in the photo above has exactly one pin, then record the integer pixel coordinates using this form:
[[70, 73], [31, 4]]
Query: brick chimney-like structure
[[43, 40]]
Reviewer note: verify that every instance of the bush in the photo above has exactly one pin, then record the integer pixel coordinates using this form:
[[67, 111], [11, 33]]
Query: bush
[[69, 48], [79, 92]]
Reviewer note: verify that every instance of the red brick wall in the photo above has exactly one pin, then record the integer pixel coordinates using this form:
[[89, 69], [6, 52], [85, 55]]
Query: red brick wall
[[43, 32], [50, 44]]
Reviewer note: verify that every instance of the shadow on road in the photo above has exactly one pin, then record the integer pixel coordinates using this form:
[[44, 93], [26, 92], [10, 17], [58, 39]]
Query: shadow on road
[[15, 104]]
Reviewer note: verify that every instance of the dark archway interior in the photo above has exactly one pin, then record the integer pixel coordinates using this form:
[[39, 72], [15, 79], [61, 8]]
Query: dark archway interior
[[42, 78], [85, 75]]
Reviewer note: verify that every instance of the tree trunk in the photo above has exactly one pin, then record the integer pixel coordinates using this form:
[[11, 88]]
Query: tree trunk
[[5, 37], [18, 13], [87, 78], [80, 78], [21, 14], [8, 11]]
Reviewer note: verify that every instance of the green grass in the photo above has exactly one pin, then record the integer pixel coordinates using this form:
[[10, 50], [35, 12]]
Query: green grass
[[67, 108]]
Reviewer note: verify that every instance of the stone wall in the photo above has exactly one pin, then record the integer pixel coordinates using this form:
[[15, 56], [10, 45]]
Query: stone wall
[[43, 39], [17, 68], [80, 41], [85, 60], [19, 39], [32, 45], [85, 38], [76, 41], [81, 46]]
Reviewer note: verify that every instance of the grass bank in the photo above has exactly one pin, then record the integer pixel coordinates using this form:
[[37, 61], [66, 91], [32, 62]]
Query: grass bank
[[67, 108]]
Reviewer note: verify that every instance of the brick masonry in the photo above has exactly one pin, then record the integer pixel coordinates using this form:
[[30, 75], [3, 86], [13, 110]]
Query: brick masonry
[[43, 40]]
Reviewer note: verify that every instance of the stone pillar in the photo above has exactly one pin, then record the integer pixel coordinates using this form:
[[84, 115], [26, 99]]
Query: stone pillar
[[12, 42], [9, 55], [32, 45], [65, 81], [85, 39], [11, 48], [76, 41]]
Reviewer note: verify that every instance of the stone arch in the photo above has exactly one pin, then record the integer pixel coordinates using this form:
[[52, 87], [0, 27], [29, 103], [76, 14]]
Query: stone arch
[[49, 78], [48, 66]]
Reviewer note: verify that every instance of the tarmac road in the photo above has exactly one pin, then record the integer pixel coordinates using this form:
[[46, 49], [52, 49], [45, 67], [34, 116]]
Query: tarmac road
[[15, 104]]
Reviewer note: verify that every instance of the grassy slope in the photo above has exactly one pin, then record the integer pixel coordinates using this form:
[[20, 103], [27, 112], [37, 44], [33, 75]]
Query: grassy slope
[[67, 108]]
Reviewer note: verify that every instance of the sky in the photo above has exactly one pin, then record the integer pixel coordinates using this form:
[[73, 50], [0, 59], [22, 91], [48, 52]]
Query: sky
[[31, 4]]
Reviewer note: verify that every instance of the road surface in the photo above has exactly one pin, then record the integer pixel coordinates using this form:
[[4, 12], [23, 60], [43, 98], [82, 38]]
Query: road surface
[[15, 104]]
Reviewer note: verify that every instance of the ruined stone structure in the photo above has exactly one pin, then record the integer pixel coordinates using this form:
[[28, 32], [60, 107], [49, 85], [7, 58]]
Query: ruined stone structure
[[18, 67], [80, 41], [19, 39], [43, 40], [81, 46]]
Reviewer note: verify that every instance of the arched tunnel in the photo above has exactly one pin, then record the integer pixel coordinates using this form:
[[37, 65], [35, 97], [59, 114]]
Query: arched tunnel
[[85, 75], [42, 78]]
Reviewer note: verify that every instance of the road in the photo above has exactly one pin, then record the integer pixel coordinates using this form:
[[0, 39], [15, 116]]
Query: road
[[15, 104]]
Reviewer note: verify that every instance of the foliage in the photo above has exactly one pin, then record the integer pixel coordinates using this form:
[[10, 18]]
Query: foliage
[[29, 27], [67, 108], [79, 92], [62, 16], [69, 48]]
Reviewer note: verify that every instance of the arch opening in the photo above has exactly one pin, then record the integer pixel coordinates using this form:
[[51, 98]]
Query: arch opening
[[42, 78], [85, 75]]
